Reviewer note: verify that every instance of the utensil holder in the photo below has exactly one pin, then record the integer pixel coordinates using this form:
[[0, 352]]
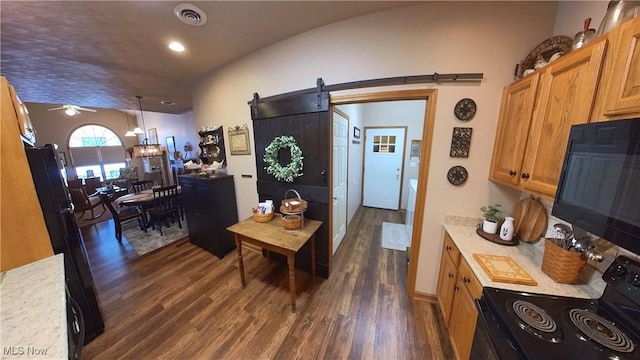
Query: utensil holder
[[563, 266]]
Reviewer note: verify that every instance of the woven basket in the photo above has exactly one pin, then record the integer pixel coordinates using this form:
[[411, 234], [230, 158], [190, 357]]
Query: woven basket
[[293, 205], [262, 218], [292, 222], [563, 266]]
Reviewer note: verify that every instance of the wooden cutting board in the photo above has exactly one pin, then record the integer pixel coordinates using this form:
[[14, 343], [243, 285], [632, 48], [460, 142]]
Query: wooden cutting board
[[529, 220], [504, 269]]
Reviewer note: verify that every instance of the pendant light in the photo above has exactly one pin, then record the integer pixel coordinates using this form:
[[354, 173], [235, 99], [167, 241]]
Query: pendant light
[[129, 132], [145, 149]]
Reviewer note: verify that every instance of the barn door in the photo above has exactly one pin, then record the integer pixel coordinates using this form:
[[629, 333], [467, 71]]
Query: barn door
[[306, 118]]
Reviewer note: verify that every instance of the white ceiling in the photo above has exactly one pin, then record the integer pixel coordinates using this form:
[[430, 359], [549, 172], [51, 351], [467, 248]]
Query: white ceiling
[[104, 53]]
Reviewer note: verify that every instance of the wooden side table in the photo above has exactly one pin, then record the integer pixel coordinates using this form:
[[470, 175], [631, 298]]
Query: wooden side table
[[273, 237]]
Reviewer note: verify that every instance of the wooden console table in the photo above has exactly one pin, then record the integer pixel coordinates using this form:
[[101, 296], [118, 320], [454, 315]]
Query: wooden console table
[[273, 237]]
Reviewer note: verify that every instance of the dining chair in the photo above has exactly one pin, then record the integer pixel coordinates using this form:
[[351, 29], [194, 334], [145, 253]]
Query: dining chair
[[124, 214], [165, 207], [83, 202], [91, 185], [138, 186]]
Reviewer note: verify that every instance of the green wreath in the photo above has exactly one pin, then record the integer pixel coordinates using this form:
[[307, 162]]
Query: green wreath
[[283, 173]]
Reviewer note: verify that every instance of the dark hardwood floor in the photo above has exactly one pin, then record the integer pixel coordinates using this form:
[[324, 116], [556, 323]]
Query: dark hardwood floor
[[181, 302]]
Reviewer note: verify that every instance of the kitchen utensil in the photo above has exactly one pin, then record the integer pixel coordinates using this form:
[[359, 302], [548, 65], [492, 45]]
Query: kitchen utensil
[[593, 254], [582, 244], [563, 230], [504, 269], [529, 219], [618, 12], [583, 36]]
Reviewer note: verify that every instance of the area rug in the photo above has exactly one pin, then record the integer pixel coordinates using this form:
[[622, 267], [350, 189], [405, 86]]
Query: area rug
[[395, 236], [152, 240]]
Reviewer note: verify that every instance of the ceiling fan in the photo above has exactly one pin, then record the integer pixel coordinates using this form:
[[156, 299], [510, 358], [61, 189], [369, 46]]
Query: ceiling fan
[[71, 110]]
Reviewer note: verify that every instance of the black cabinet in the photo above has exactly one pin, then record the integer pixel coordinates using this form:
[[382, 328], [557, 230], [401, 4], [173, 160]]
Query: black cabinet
[[210, 207]]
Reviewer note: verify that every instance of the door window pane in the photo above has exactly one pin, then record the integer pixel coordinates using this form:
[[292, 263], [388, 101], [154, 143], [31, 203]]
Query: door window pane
[[384, 144]]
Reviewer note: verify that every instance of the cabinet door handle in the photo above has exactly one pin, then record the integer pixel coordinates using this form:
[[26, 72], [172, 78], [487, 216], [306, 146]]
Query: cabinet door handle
[[456, 288], [448, 248], [512, 173], [450, 275], [466, 280], [525, 175]]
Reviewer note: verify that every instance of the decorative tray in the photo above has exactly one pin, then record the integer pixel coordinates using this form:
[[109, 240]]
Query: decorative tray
[[495, 238], [546, 49]]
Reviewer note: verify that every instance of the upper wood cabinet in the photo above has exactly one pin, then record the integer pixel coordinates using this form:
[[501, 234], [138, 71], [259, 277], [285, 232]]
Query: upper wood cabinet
[[566, 95], [513, 130], [623, 95], [562, 96]]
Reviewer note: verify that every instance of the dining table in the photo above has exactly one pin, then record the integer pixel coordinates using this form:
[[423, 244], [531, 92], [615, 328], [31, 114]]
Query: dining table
[[142, 199]]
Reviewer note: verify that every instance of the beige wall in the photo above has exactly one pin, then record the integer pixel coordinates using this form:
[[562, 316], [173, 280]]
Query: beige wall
[[443, 37]]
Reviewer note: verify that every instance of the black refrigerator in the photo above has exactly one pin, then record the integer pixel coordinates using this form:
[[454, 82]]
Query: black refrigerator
[[55, 201]]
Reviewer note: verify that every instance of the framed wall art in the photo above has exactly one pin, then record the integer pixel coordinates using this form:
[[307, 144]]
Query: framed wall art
[[356, 133], [171, 146], [239, 141], [415, 148], [153, 136]]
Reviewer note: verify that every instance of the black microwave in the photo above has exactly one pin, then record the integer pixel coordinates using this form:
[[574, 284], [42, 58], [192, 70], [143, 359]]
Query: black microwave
[[599, 188]]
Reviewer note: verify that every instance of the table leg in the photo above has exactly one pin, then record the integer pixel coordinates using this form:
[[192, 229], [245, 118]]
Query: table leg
[[313, 255], [240, 262], [292, 279]]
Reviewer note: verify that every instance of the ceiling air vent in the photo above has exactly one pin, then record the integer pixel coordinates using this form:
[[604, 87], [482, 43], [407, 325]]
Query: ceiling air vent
[[190, 14]]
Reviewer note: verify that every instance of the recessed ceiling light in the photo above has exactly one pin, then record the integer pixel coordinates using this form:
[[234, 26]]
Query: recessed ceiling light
[[176, 46], [168, 103]]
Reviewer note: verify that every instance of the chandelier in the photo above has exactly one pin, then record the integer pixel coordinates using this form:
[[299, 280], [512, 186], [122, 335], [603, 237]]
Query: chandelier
[[145, 149]]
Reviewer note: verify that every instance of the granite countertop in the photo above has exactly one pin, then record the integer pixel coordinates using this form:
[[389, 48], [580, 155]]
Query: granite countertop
[[528, 256], [33, 311]]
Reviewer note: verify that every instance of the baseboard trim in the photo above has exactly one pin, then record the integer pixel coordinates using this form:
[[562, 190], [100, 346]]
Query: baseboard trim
[[419, 296]]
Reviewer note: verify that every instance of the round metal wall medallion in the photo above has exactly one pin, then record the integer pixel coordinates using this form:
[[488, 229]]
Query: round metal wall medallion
[[465, 109], [457, 175]]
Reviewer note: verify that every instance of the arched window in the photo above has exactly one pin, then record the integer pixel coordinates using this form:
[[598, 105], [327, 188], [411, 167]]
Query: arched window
[[96, 151]]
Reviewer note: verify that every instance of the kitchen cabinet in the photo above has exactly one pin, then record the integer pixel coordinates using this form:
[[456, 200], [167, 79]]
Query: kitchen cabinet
[[564, 96], [24, 237], [513, 129], [448, 276], [623, 95], [210, 207], [464, 314], [457, 290]]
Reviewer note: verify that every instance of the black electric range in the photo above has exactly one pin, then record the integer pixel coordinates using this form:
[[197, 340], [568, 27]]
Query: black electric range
[[518, 325]]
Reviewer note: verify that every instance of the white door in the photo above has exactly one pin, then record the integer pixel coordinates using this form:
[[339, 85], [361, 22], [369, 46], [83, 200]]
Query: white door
[[383, 154], [340, 143]]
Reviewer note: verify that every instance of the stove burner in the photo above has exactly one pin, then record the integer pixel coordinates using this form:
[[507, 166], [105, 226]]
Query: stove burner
[[534, 316], [601, 330]]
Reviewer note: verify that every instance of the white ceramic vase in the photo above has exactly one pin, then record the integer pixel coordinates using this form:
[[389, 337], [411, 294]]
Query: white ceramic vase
[[506, 231], [490, 227]]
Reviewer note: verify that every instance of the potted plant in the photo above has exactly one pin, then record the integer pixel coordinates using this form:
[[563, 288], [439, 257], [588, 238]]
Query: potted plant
[[491, 215]]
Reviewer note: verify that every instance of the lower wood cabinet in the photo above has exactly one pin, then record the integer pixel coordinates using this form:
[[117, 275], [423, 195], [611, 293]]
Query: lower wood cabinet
[[457, 290], [210, 207]]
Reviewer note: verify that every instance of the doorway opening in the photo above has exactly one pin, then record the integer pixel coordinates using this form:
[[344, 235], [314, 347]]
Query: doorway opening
[[429, 95]]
